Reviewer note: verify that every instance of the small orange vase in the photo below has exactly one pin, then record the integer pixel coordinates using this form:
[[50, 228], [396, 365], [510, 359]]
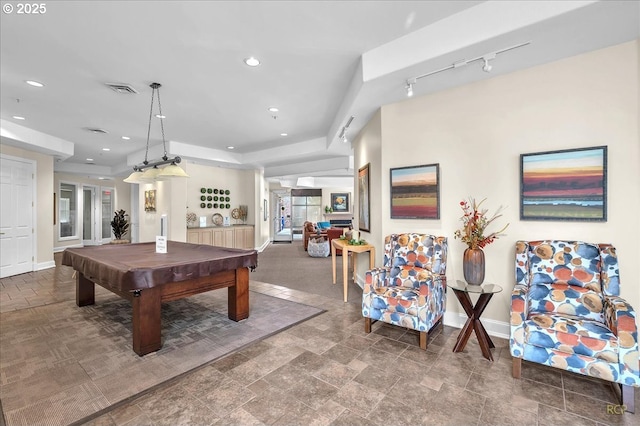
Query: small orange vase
[[473, 266]]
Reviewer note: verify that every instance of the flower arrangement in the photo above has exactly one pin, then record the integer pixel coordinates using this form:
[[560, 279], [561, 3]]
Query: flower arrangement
[[475, 223]]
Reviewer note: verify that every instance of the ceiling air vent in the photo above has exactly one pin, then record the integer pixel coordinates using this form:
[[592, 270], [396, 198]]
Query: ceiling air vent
[[95, 130], [122, 88]]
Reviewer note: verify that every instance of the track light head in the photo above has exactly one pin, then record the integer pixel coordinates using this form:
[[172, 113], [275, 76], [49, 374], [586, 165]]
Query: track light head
[[487, 66], [409, 87]]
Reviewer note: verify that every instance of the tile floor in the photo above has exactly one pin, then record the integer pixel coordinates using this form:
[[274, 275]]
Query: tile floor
[[327, 371]]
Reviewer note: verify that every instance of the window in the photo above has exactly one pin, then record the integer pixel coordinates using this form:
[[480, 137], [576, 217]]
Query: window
[[306, 205], [68, 210]]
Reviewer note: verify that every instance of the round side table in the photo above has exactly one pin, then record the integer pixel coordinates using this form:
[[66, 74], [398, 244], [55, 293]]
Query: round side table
[[486, 292]]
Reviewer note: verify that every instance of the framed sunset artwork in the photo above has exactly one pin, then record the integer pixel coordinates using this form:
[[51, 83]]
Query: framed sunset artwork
[[569, 184], [415, 192]]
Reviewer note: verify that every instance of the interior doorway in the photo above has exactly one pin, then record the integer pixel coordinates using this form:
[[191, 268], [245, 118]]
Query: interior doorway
[[281, 213], [97, 207]]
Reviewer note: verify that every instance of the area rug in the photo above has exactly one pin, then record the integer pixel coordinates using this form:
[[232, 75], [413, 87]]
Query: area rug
[[60, 363]]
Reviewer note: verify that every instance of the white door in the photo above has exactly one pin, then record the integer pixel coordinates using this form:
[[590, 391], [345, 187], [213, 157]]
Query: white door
[[16, 216]]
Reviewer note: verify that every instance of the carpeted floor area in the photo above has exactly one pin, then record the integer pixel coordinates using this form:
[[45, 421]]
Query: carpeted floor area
[[312, 275]]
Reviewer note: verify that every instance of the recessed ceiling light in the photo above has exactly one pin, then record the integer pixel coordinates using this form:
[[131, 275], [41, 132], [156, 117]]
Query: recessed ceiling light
[[106, 149], [284, 134], [273, 109], [34, 83], [17, 117], [252, 62], [161, 116], [231, 147], [89, 159], [126, 138]]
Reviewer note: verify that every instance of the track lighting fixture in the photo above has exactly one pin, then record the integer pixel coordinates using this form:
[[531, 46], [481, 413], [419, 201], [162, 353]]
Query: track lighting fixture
[[140, 175], [409, 87], [343, 133], [486, 67]]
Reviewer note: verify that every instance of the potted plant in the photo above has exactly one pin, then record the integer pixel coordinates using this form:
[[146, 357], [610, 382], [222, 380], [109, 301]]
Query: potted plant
[[120, 226]]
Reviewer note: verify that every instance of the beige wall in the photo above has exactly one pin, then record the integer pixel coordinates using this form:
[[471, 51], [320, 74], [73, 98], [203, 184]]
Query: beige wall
[[477, 133], [44, 203], [176, 197]]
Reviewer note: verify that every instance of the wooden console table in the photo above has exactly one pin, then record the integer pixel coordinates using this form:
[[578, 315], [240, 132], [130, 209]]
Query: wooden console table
[[343, 245]]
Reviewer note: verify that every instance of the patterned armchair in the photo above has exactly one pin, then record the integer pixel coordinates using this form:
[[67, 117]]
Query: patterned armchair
[[410, 289], [566, 313]]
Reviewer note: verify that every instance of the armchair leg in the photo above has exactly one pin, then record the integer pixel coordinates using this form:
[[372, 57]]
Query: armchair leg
[[423, 340], [627, 398], [367, 325], [517, 368]]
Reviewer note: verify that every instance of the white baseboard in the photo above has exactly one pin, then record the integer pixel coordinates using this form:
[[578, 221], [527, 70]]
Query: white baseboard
[[45, 265], [264, 246], [61, 249], [493, 327]]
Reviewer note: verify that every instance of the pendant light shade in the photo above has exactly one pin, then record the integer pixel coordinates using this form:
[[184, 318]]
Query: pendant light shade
[[151, 174], [173, 170], [134, 177]]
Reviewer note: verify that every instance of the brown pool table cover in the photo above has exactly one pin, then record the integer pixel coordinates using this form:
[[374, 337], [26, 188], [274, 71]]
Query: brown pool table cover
[[128, 267]]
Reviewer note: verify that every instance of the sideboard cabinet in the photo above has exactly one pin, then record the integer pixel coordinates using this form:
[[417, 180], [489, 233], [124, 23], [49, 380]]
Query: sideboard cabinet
[[235, 236]]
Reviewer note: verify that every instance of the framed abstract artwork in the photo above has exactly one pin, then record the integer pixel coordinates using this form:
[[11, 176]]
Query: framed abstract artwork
[[340, 202], [415, 192], [364, 204], [569, 184]]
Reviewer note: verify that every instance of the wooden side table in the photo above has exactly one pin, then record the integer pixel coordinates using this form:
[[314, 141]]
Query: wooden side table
[[486, 292], [343, 245]]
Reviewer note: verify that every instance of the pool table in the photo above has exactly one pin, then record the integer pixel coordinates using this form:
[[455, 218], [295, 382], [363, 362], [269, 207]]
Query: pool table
[[137, 273]]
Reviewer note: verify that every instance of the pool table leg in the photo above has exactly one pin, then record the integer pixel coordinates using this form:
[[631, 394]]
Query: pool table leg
[[147, 321], [85, 290], [238, 296]]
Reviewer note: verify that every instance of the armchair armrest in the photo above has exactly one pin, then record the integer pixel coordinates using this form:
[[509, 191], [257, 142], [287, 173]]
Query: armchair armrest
[[621, 320], [518, 305], [519, 308], [376, 277]]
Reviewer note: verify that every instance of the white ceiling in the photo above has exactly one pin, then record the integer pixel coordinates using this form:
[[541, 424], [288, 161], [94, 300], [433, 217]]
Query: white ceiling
[[322, 62]]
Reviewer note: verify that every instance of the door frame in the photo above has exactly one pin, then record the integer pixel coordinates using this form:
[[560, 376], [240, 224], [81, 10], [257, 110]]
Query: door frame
[[33, 164]]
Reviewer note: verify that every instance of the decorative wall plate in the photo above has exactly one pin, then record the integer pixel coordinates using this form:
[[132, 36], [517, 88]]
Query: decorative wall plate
[[203, 190], [203, 205], [227, 206], [215, 191], [217, 219], [203, 197], [215, 198], [235, 213], [209, 190], [209, 198], [227, 192], [209, 205], [227, 199]]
